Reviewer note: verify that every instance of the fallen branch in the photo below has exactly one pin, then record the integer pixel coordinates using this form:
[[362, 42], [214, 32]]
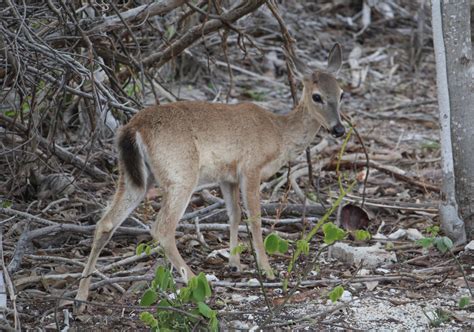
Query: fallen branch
[[351, 160], [252, 284]]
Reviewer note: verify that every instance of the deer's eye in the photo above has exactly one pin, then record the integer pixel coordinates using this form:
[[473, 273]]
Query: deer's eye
[[317, 98]]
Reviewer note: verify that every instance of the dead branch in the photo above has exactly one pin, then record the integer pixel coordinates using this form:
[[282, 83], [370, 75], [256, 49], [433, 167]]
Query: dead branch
[[242, 9]]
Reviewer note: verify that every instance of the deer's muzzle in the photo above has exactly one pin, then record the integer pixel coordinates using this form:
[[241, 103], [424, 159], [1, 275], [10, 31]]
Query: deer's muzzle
[[338, 130]]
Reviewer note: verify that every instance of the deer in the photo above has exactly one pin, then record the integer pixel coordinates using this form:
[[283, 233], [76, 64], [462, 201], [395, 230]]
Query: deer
[[183, 144]]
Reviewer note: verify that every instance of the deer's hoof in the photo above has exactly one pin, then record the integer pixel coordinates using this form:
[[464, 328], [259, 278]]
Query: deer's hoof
[[269, 274], [78, 306]]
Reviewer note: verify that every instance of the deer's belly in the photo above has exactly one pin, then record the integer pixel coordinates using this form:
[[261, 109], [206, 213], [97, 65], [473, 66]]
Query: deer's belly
[[272, 167], [218, 171]]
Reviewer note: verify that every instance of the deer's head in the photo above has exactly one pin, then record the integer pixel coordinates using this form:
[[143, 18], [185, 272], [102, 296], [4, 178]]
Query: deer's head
[[322, 94]]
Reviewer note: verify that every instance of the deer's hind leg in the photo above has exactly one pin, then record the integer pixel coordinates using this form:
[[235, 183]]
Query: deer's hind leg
[[178, 182], [126, 199]]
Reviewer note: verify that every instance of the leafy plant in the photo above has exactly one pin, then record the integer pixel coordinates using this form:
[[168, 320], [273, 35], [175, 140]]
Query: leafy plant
[[336, 293], [133, 88], [144, 248], [333, 233], [464, 302], [256, 95], [442, 243], [177, 309], [240, 248], [362, 235], [274, 243], [430, 145], [302, 246], [433, 230], [6, 204], [439, 317]]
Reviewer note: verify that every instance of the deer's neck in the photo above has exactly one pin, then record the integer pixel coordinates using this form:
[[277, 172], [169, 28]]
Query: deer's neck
[[299, 128]]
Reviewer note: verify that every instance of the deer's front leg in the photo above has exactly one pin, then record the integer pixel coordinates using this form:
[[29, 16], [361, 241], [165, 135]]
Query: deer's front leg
[[230, 191], [250, 187]]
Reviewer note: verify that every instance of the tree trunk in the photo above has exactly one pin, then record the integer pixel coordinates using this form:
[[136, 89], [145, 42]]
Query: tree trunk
[[460, 72], [445, 30]]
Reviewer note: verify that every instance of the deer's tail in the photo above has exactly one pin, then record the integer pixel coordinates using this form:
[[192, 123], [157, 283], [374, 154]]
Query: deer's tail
[[131, 157]]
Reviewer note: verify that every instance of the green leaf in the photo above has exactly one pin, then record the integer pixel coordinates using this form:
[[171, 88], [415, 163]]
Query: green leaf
[[185, 294], [362, 235], [149, 297], [238, 249], [7, 204], [164, 303], [447, 242], [203, 279], [464, 301], [336, 293], [163, 278], [148, 250], [148, 319], [170, 31], [25, 107], [213, 323], [443, 244], [201, 290], [303, 246], [271, 243], [283, 246], [312, 197], [199, 293], [433, 230], [426, 242], [332, 233], [10, 113], [431, 145], [140, 249], [205, 310]]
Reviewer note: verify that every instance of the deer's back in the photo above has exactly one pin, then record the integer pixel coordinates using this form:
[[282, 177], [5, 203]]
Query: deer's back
[[224, 139]]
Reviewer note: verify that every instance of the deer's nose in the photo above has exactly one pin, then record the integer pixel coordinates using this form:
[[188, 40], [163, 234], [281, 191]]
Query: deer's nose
[[338, 130]]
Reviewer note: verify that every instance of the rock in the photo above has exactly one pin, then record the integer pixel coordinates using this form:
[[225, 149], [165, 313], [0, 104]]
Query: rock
[[237, 297], [251, 298], [239, 325], [219, 253], [244, 299], [211, 277], [382, 270], [470, 246], [371, 256], [413, 234], [371, 285], [363, 272], [398, 234], [253, 282], [379, 236], [346, 296]]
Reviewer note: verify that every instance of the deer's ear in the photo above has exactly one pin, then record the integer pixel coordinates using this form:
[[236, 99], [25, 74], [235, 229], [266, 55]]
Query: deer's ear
[[335, 59], [297, 66]]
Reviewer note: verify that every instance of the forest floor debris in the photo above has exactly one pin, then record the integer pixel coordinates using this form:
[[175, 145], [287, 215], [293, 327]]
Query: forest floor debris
[[390, 85]]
